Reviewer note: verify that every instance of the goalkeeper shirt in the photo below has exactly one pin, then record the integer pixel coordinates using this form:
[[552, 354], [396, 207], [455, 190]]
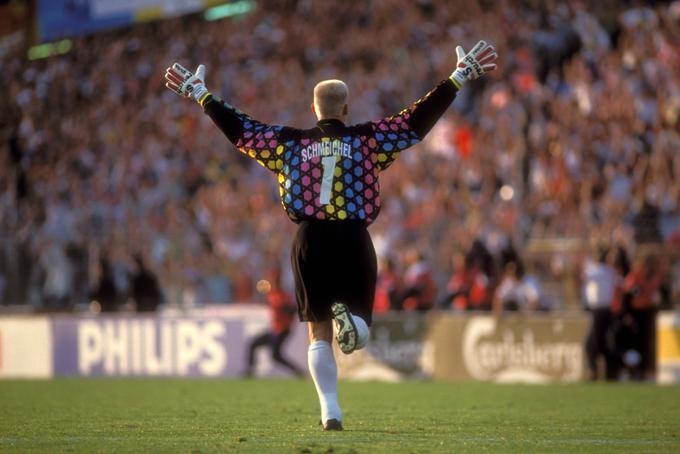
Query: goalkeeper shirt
[[330, 172]]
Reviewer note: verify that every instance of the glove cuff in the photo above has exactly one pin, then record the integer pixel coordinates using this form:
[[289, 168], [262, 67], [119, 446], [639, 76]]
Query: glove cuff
[[199, 93], [458, 78], [205, 98]]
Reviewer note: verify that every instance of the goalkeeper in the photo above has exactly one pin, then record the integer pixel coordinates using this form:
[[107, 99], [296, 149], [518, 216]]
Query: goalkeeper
[[328, 183]]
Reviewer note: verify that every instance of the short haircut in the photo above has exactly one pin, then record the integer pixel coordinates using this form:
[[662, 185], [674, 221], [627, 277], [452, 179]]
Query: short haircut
[[330, 98]]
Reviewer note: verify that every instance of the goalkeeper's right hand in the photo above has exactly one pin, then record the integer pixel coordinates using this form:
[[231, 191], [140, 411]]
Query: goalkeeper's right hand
[[481, 59], [184, 83]]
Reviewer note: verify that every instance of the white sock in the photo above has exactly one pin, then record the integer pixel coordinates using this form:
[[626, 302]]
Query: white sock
[[362, 332], [325, 375]]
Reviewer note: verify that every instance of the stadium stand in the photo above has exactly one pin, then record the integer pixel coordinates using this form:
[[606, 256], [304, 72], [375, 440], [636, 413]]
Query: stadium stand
[[573, 141]]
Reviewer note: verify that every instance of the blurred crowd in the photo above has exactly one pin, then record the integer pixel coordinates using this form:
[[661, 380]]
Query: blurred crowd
[[109, 181]]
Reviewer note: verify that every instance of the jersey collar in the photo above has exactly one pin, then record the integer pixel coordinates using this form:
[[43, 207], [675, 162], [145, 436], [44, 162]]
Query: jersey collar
[[330, 122]]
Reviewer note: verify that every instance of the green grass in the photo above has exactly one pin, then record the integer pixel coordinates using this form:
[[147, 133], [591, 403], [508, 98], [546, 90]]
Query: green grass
[[103, 415]]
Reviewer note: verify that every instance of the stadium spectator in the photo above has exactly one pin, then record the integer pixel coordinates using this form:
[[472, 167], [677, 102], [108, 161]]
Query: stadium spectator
[[106, 293], [467, 288], [599, 286], [509, 295], [642, 288], [58, 280], [388, 287], [534, 299], [419, 287], [215, 286], [146, 292], [479, 257]]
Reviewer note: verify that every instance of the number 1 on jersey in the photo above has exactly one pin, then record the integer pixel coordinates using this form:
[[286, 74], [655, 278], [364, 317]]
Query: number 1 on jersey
[[328, 163]]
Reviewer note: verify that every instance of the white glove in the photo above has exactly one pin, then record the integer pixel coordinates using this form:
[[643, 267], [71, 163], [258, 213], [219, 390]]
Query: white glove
[[184, 83], [478, 61]]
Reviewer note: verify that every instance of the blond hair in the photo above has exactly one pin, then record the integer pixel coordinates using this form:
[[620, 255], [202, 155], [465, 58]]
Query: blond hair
[[330, 98]]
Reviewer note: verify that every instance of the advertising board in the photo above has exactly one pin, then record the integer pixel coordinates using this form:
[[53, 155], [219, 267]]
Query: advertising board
[[668, 347], [25, 347], [449, 346]]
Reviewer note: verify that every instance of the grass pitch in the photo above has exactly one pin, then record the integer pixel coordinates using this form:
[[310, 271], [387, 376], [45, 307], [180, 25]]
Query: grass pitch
[[281, 416]]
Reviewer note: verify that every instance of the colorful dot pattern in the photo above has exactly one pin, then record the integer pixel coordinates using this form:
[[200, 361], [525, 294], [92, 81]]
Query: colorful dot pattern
[[365, 151]]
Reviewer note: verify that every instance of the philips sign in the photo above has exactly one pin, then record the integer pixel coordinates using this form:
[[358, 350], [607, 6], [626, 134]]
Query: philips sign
[[134, 347], [147, 347]]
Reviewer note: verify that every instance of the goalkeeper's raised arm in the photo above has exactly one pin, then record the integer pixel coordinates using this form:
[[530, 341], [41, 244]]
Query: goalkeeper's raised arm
[[424, 113], [256, 139]]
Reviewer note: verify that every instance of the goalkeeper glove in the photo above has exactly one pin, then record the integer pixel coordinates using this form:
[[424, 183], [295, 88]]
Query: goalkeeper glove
[[474, 64], [184, 83]]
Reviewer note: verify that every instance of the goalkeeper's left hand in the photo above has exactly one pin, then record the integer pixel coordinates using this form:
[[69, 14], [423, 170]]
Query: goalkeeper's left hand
[[480, 60], [184, 83]]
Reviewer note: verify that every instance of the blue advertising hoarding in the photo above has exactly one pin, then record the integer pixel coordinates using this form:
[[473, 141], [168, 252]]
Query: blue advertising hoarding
[[58, 19], [152, 346]]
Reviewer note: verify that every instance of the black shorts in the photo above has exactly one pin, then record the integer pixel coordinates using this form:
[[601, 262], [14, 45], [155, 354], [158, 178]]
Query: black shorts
[[333, 261]]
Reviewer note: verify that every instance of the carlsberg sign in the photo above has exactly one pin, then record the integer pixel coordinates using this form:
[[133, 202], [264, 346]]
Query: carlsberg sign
[[506, 353], [539, 349]]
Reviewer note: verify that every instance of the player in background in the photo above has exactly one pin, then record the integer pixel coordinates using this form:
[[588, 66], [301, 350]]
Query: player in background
[[328, 183], [282, 311]]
